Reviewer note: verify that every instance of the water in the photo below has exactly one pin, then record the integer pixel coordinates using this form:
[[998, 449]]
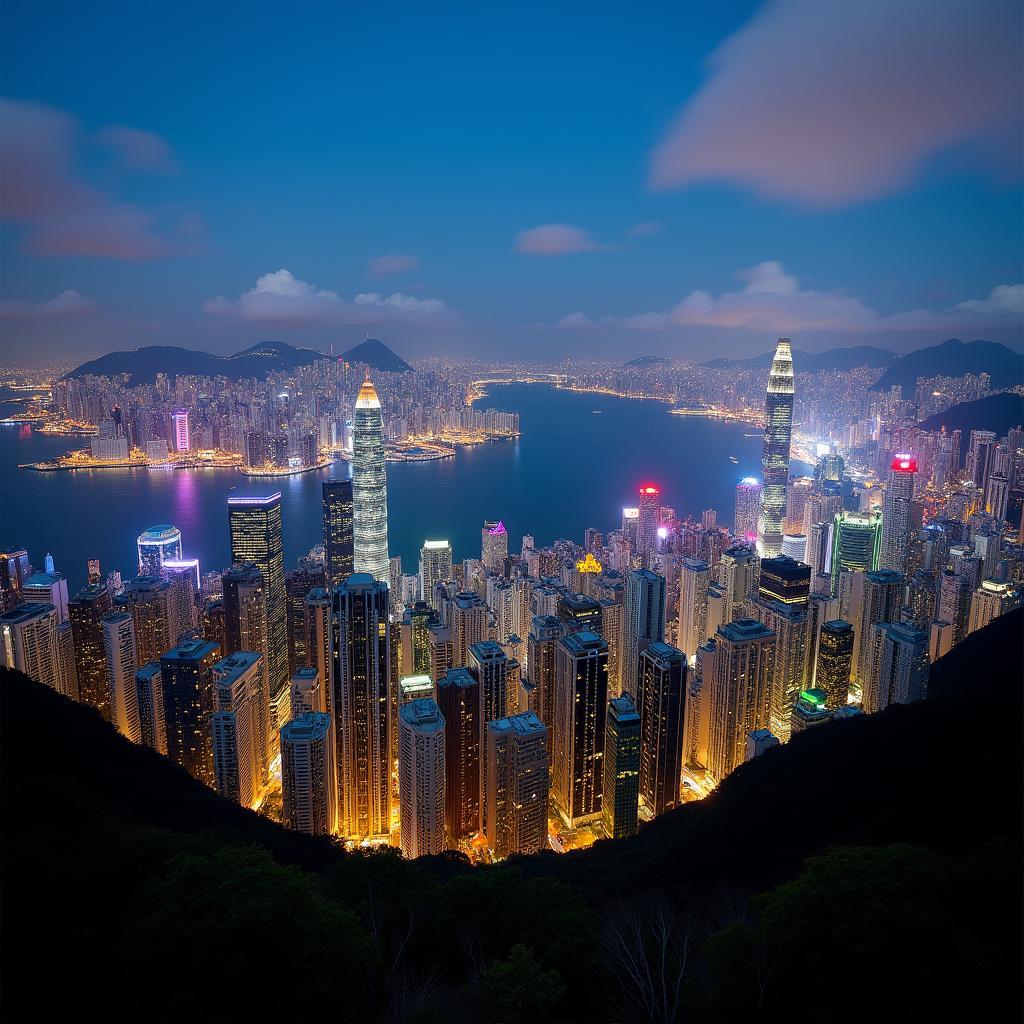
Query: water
[[571, 469]]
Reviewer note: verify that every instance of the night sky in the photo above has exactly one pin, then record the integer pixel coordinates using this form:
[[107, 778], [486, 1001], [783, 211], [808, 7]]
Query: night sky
[[529, 180]]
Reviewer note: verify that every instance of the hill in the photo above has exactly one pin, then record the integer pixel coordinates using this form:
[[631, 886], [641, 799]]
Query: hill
[[954, 358], [998, 413], [884, 849], [643, 362], [143, 364], [376, 355], [835, 359]]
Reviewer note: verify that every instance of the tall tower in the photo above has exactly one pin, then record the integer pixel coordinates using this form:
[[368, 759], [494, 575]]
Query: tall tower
[[778, 431], [494, 545], [119, 650], [421, 777], [899, 666], [856, 543], [187, 678], [86, 611], [435, 567], [29, 642], [663, 670], [338, 542], [694, 580], [157, 545], [257, 536], [647, 528], [361, 707], [370, 487], [308, 782], [621, 768], [179, 420], [897, 513], [835, 662], [644, 621], [458, 696], [237, 686], [748, 503]]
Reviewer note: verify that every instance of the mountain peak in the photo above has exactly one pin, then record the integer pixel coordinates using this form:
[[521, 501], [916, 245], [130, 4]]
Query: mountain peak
[[376, 354]]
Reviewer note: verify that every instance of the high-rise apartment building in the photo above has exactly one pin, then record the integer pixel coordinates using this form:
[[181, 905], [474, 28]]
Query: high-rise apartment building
[[458, 697], [991, 600], [85, 612], [421, 777], [898, 671], [620, 800], [694, 580], [149, 699], [468, 622], [494, 546], [663, 701], [308, 777], [748, 507], [29, 643], [120, 655], [187, 677], [235, 727], [647, 524]]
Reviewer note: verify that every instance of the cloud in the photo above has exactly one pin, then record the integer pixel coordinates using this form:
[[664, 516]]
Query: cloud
[[62, 214], [829, 104], [774, 301], [140, 150], [69, 303], [646, 227], [556, 240], [282, 298], [393, 263]]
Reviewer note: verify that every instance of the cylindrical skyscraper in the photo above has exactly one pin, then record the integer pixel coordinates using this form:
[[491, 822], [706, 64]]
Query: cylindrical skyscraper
[[778, 431], [370, 487]]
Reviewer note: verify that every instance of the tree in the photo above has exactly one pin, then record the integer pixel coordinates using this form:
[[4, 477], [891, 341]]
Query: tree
[[518, 990]]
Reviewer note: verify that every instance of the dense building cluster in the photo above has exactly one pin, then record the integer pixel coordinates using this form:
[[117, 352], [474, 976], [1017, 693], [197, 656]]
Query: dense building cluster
[[508, 700]]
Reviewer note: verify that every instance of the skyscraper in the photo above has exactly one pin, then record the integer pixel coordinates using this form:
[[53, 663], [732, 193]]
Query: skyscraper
[[86, 611], [740, 691], [778, 429], [643, 621], [835, 662], [468, 624], [235, 727], [663, 689], [494, 546], [187, 678], [435, 567], [516, 785], [120, 656], [897, 514], [647, 528], [308, 575], [157, 624], [156, 545], [339, 548], [308, 778], [581, 699], [748, 505], [856, 543], [620, 801], [458, 696], [370, 487], [898, 672], [149, 699], [257, 536], [694, 580], [881, 602], [28, 642], [362, 673], [179, 423], [991, 600], [421, 777]]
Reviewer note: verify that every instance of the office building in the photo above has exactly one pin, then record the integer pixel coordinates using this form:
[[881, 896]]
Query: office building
[[187, 677], [370, 487], [775, 451], [898, 514], [468, 621], [85, 612], [856, 543], [643, 621], [494, 546], [362, 673], [898, 672], [516, 786], [789, 664], [120, 656], [235, 727], [991, 600], [881, 602], [308, 779], [47, 588], [835, 662], [339, 545], [458, 697], [647, 524], [149, 699], [694, 581], [784, 579], [757, 743], [739, 577], [14, 568], [662, 705], [620, 800], [435, 567], [421, 778], [156, 545], [309, 575], [811, 709], [180, 432], [581, 699], [748, 507], [29, 643], [545, 632]]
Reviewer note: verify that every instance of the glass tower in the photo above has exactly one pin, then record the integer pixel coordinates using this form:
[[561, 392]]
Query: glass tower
[[370, 487], [778, 431], [338, 543]]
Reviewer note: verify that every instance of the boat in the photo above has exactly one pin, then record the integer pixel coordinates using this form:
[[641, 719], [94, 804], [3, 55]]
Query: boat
[[734, 460]]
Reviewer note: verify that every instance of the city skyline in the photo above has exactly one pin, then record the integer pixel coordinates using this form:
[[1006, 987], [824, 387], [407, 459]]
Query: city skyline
[[544, 212]]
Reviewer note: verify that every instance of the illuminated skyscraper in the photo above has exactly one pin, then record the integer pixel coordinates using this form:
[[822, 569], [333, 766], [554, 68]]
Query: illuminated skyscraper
[[581, 699], [149, 699], [338, 537], [694, 580], [458, 696], [663, 699], [739, 576], [257, 537], [119, 652], [370, 487], [235, 727], [856, 543], [778, 429], [811, 709], [86, 611], [29, 643], [435, 567], [835, 662], [308, 575], [421, 777], [516, 785], [187, 677], [179, 423], [494, 546], [643, 622], [897, 514], [545, 632], [468, 625], [991, 600], [14, 568], [748, 505], [784, 579], [156, 545], [415, 633], [898, 672], [308, 777], [881, 602], [621, 768], [148, 600], [362, 673], [740, 691], [647, 524]]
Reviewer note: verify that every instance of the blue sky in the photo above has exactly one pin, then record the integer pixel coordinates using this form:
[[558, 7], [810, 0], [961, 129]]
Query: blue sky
[[542, 180]]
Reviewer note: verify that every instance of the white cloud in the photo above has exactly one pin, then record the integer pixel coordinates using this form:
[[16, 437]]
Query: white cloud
[[392, 263], [828, 104], [68, 303], [646, 227], [773, 301], [281, 298], [556, 240]]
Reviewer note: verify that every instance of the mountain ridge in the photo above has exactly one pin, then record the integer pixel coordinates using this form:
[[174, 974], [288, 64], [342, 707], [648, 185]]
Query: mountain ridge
[[954, 358], [815, 362]]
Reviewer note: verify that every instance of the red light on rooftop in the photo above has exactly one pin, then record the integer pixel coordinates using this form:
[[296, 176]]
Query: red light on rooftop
[[649, 489], [904, 464]]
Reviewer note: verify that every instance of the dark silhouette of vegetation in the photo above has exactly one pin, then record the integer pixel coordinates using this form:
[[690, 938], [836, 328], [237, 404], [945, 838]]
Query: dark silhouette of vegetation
[[868, 870]]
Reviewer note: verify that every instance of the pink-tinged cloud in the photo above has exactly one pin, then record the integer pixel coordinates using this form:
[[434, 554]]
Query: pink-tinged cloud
[[392, 263], [829, 104], [556, 240], [140, 150], [69, 303], [773, 300], [644, 228], [61, 213], [281, 298]]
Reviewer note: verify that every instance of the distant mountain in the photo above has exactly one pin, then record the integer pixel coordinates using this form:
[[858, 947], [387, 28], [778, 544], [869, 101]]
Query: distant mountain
[[998, 413], [954, 358], [377, 355], [643, 362], [816, 362], [144, 364]]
